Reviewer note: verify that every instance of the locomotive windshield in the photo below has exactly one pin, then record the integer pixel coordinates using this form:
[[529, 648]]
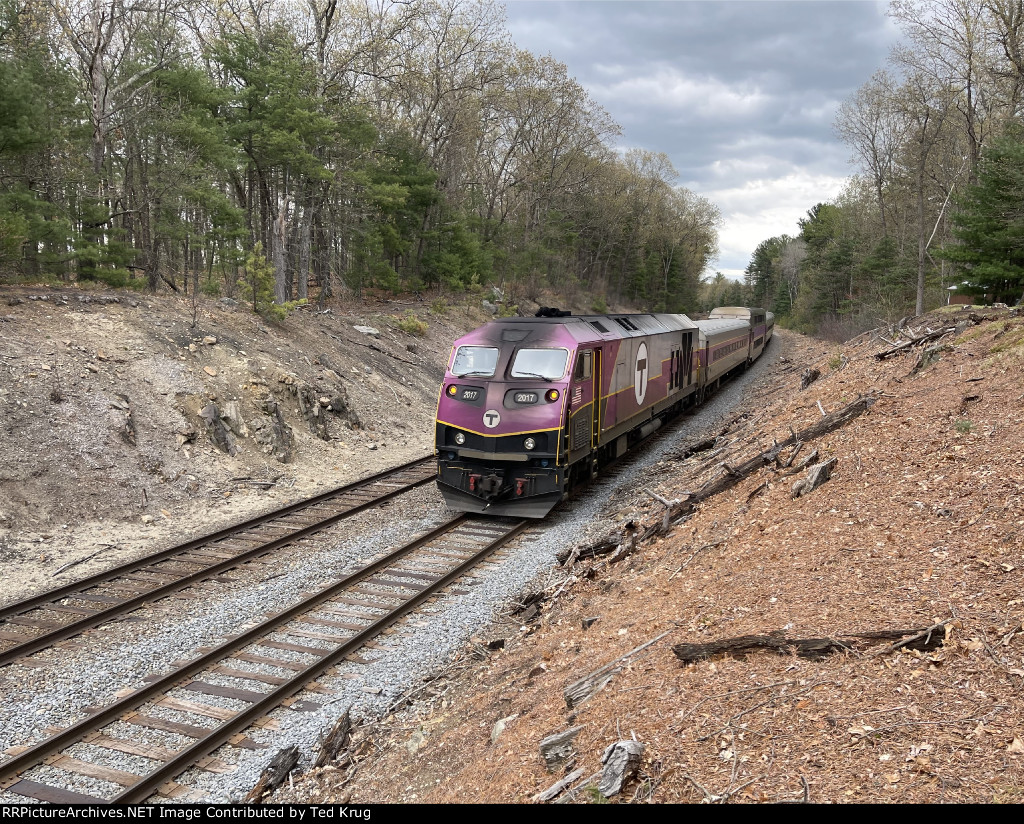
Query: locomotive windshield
[[475, 360], [548, 364]]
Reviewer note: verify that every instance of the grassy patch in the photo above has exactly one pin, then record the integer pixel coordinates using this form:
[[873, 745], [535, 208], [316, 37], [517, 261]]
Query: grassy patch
[[411, 325], [1011, 341], [963, 426]]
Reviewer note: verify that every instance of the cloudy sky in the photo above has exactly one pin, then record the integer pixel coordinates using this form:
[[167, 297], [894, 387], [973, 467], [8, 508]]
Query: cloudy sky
[[740, 94]]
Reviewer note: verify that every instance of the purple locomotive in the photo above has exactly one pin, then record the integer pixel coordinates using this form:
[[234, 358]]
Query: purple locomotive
[[531, 406]]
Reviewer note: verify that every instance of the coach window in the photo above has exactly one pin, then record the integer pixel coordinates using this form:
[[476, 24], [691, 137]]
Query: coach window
[[583, 366]]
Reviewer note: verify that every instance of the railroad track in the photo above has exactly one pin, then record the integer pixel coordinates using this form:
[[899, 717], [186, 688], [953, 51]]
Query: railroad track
[[39, 622], [256, 672]]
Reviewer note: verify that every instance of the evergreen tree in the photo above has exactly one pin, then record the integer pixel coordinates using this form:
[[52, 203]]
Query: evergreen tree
[[989, 223]]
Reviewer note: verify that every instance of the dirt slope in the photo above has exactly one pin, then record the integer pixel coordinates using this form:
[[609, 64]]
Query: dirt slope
[[104, 455], [921, 523], [104, 452]]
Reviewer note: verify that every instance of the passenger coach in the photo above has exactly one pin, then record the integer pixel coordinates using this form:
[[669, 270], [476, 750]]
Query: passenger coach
[[530, 406]]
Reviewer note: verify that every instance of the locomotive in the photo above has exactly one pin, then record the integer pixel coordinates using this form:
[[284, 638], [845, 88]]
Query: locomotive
[[529, 407]]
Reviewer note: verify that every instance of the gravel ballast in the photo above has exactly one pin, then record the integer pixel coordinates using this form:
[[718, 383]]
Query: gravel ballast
[[90, 672]]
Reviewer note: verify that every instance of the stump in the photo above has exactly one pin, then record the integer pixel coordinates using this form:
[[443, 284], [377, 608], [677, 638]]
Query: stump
[[621, 761]]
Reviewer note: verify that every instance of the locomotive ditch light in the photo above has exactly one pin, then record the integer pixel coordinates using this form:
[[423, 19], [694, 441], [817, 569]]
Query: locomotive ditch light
[[529, 443], [460, 438], [551, 395]]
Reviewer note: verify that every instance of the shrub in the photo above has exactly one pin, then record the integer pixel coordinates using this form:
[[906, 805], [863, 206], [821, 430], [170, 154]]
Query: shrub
[[411, 325]]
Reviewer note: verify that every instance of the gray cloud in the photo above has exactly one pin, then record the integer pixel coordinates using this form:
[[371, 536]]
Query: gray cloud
[[740, 95]]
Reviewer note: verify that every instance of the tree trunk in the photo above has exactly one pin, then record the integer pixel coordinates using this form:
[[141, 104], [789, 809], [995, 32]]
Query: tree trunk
[[919, 310], [280, 243]]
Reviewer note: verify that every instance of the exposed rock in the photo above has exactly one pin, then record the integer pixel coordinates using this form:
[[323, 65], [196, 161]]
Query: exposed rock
[[232, 416], [368, 330], [184, 436], [273, 433], [809, 376], [312, 411], [127, 431], [339, 405], [219, 433], [489, 307], [499, 727]]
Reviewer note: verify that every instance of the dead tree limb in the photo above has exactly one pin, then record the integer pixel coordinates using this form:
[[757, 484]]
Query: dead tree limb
[[337, 740], [924, 640], [812, 648], [694, 448], [274, 774], [79, 561], [913, 341], [579, 691]]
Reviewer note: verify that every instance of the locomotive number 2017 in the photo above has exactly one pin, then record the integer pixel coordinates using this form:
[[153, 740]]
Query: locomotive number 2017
[[526, 397], [470, 394]]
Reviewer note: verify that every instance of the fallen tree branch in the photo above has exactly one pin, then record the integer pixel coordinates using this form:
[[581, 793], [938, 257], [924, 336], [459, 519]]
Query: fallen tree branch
[[924, 640], [274, 774], [913, 341], [579, 691], [76, 563], [337, 739], [812, 648]]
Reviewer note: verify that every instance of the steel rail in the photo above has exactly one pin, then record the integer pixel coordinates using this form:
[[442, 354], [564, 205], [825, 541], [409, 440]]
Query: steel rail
[[157, 592], [220, 735]]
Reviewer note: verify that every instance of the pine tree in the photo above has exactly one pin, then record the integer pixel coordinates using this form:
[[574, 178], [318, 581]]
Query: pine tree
[[989, 223]]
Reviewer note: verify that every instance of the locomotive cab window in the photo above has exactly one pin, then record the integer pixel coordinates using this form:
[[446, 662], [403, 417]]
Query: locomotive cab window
[[548, 364], [475, 360], [583, 366]]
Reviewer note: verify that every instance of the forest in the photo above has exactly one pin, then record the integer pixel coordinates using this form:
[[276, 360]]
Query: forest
[[292, 150], [935, 212]]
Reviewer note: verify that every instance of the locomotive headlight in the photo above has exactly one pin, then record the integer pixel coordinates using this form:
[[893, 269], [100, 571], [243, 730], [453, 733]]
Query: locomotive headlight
[[552, 395], [529, 443], [460, 438], [452, 390]]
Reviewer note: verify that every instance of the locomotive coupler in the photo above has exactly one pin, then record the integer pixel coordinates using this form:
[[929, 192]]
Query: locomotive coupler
[[489, 486]]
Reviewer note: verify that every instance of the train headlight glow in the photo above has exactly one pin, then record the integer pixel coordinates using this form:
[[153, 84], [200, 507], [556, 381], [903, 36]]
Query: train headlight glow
[[529, 443], [460, 438], [552, 395], [452, 390]]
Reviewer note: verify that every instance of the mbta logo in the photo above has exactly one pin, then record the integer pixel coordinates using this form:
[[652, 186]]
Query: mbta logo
[[640, 373], [491, 418]]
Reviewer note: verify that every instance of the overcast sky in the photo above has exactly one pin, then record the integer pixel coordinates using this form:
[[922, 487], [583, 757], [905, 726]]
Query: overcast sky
[[740, 94]]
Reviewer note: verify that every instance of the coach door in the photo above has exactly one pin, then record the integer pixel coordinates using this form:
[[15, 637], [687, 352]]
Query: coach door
[[598, 403], [675, 362], [687, 363]]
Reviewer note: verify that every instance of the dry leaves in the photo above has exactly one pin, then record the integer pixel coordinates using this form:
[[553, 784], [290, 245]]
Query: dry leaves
[[922, 520]]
